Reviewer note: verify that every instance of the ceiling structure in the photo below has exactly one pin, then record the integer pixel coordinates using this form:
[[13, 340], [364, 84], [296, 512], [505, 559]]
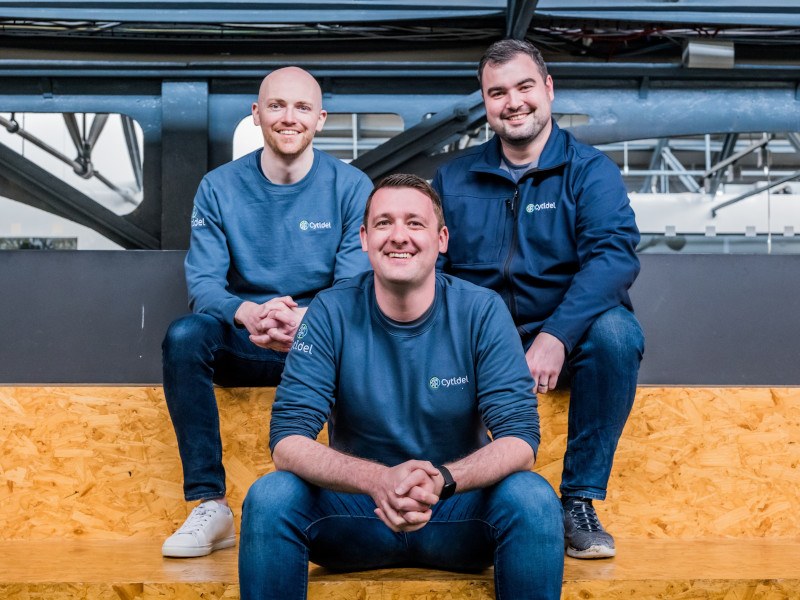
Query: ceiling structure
[[187, 71]]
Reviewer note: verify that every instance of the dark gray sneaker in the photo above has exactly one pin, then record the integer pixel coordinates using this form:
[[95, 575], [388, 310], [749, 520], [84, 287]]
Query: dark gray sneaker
[[584, 536]]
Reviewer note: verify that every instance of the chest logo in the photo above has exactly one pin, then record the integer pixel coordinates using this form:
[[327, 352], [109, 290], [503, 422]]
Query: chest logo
[[314, 225], [537, 207]]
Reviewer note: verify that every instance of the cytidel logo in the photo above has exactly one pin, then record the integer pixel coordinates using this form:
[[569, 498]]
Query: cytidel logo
[[197, 220], [537, 207], [314, 225], [435, 382]]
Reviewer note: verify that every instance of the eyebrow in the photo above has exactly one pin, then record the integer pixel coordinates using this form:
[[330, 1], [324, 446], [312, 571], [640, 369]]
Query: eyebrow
[[499, 88], [406, 216]]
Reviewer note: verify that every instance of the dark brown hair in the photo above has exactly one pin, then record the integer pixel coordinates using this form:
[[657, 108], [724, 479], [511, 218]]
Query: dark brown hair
[[503, 51], [407, 180]]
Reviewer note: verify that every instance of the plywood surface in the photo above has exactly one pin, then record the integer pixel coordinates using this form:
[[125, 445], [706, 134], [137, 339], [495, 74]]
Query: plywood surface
[[102, 462], [712, 569]]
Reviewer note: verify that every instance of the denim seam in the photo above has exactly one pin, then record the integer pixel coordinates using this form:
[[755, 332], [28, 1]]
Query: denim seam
[[205, 496], [326, 517], [584, 494]]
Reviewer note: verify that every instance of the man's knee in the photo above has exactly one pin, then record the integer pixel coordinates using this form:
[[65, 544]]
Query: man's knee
[[187, 333], [531, 503], [616, 333], [274, 496]]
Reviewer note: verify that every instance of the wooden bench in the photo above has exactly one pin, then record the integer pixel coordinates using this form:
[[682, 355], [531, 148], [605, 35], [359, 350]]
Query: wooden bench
[[703, 499]]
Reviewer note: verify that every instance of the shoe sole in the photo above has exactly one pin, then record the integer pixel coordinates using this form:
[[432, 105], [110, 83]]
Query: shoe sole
[[197, 551], [592, 552]]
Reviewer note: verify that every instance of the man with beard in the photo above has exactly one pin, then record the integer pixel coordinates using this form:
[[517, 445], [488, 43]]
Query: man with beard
[[269, 231], [546, 222]]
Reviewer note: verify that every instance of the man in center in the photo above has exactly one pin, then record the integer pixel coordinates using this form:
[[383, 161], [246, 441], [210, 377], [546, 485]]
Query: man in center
[[410, 369]]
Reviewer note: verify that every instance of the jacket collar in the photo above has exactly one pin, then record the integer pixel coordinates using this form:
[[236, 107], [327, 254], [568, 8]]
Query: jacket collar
[[553, 155]]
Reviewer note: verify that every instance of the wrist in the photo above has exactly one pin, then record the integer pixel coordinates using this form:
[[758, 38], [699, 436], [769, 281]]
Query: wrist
[[448, 486], [240, 316]]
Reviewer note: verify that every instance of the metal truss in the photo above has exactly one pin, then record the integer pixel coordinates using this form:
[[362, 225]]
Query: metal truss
[[625, 79], [29, 183]]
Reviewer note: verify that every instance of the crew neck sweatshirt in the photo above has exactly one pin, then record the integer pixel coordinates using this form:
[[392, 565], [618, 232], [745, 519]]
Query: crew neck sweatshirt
[[254, 240], [392, 392]]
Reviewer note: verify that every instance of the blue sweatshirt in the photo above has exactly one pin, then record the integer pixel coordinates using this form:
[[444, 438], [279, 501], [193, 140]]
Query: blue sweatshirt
[[255, 240], [559, 246], [393, 392]]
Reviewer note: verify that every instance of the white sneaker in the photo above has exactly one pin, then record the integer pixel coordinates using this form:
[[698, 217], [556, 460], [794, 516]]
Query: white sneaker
[[209, 527]]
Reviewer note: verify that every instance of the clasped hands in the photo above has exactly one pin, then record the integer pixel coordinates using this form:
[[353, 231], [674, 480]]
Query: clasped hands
[[404, 494], [272, 324]]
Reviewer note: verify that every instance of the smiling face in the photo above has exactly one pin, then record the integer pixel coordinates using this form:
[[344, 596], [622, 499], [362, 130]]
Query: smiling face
[[403, 239], [518, 101], [289, 111]]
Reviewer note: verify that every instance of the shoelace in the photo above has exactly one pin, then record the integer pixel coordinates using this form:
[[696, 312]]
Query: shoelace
[[584, 516], [198, 517]]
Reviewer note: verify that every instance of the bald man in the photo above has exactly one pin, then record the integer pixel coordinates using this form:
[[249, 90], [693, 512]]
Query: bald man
[[269, 231]]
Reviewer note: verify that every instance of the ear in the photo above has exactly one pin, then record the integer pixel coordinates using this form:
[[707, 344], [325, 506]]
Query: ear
[[444, 238], [256, 119], [363, 235], [548, 83], [323, 114]]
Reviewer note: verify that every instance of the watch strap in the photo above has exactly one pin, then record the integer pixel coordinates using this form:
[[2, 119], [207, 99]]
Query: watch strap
[[449, 488]]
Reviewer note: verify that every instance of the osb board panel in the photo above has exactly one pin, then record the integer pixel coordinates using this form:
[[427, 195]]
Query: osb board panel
[[682, 590], [101, 462], [686, 590], [712, 569], [709, 462]]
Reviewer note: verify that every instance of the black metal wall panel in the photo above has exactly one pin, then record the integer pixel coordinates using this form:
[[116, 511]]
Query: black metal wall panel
[[719, 319], [86, 316], [99, 317]]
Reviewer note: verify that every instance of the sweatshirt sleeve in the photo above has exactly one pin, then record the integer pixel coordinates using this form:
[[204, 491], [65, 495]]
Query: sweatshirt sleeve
[[208, 259], [506, 399], [606, 237], [350, 259], [305, 397]]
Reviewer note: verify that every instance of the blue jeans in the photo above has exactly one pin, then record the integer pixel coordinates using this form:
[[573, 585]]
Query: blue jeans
[[602, 371], [199, 351], [517, 525]]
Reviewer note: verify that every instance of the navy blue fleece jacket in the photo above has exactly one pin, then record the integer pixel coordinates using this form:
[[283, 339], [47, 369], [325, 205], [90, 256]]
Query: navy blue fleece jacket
[[559, 246]]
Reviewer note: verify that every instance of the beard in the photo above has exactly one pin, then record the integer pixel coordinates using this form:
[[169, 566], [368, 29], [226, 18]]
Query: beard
[[522, 136], [289, 150]]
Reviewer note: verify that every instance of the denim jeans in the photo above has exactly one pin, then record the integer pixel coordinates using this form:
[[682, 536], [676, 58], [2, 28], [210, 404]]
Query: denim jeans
[[517, 525], [602, 371], [199, 351]]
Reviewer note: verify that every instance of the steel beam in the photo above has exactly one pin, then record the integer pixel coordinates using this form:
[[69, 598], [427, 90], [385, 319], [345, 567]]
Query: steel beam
[[728, 147], [755, 192], [431, 134], [655, 158], [686, 179], [184, 156], [26, 182], [519, 14], [729, 160], [250, 11], [770, 13], [132, 143]]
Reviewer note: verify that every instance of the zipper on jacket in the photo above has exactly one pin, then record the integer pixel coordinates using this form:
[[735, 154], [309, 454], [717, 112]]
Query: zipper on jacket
[[512, 302]]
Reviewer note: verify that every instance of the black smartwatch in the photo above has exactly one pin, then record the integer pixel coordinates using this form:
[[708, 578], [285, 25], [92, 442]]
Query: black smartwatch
[[449, 483]]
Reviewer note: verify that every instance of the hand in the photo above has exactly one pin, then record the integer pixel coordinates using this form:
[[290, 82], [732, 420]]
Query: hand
[[279, 327], [404, 495], [545, 360], [255, 318]]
